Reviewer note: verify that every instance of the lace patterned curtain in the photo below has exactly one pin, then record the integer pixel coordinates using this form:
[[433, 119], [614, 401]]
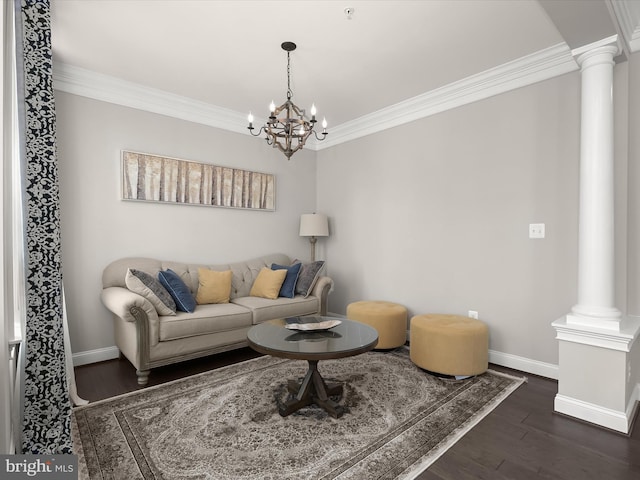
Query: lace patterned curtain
[[47, 409]]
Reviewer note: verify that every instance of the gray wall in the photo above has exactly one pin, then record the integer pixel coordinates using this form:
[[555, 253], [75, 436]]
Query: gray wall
[[98, 227], [434, 214]]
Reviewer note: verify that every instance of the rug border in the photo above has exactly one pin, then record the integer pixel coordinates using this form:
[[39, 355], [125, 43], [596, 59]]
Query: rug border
[[419, 467]]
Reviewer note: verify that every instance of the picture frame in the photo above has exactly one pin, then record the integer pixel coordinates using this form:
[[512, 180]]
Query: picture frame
[[161, 179]]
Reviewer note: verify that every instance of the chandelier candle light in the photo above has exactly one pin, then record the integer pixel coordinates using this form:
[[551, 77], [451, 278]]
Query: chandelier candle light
[[290, 131]]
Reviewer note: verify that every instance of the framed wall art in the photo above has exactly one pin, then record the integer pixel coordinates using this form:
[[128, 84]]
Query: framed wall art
[[153, 178]]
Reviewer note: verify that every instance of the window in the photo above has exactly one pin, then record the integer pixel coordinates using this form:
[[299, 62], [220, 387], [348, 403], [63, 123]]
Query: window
[[12, 223], [12, 297]]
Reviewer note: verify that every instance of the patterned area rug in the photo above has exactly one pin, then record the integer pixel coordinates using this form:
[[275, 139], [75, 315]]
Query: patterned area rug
[[224, 424]]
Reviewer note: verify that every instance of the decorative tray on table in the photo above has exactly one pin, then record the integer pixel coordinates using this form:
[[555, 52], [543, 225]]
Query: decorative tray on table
[[310, 323]]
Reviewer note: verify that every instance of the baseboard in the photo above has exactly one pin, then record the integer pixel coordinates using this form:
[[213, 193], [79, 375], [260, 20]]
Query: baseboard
[[589, 412], [95, 356], [523, 364], [504, 359], [634, 401]]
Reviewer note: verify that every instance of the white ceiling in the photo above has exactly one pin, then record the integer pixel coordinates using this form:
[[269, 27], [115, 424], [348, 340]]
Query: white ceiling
[[227, 53]]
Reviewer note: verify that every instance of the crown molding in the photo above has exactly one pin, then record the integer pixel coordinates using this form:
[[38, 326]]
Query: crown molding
[[90, 84], [539, 66], [627, 16]]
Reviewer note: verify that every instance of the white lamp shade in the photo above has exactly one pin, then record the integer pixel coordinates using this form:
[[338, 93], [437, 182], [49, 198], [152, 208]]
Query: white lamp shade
[[314, 225]]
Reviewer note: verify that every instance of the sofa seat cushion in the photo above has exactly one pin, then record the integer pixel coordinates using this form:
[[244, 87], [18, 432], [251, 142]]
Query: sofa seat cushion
[[265, 309], [205, 319]]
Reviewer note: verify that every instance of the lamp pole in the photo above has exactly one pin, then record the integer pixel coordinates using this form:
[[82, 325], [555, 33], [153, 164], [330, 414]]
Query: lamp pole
[[313, 241]]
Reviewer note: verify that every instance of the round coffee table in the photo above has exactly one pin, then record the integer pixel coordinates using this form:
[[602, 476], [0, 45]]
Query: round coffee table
[[344, 340]]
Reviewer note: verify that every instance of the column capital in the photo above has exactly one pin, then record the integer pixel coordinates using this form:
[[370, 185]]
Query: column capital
[[602, 51]]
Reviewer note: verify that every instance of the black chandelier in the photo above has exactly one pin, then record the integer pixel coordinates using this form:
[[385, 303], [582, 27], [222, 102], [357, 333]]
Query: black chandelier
[[289, 132]]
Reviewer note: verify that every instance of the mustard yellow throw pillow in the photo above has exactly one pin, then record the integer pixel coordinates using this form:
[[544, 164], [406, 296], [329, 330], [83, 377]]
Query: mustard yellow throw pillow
[[268, 283], [213, 286]]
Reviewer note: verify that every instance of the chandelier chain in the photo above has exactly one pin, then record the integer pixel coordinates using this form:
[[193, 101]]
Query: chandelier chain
[[289, 92]]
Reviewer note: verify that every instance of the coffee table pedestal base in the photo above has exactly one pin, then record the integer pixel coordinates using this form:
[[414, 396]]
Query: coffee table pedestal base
[[312, 389]]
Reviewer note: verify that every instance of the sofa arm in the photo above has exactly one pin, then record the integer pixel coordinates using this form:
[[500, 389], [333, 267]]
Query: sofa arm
[[126, 304], [321, 289], [131, 307]]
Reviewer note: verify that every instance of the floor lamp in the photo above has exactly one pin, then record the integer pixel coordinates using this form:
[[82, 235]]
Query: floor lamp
[[314, 225]]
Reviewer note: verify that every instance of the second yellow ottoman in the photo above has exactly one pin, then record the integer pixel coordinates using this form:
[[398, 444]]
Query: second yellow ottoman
[[389, 319], [449, 344]]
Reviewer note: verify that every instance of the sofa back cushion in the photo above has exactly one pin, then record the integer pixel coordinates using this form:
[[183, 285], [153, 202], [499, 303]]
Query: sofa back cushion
[[243, 276], [244, 273]]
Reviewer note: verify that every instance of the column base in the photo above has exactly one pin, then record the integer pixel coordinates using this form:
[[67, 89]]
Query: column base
[[606, 318], [609, 324], [597, 382]]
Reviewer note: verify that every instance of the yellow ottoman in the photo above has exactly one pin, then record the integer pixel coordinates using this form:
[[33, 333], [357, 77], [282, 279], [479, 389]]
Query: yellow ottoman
[[389, 319], [449, 344]]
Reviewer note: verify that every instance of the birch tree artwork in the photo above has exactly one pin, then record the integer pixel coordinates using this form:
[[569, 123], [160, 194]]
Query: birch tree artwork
[[153, 178]]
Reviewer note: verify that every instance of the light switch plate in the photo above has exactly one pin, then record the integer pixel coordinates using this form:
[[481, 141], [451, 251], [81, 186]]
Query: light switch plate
[[536, 230]]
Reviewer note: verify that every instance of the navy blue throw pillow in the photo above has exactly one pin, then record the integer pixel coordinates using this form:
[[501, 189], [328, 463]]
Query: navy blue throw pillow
[[178, 290], [288, 288]]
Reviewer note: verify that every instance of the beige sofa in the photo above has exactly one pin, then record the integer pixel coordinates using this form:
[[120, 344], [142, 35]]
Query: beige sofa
[[150, 340]]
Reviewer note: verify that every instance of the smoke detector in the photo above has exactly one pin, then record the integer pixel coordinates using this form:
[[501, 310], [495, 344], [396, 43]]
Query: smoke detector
[[348, 12]]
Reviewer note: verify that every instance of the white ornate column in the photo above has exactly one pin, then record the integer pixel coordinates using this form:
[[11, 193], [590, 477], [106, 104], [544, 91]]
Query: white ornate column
[[596, 254], [595, 340]]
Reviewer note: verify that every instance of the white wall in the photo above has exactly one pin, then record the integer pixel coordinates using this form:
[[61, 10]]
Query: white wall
[[434, 214], [98, 227]]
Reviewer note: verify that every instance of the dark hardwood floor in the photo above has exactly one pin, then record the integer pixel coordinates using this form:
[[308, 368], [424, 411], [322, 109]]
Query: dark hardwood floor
[[521, 439]]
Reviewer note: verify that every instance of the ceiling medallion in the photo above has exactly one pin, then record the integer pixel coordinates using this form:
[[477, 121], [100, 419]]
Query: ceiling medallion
[[288, 127]]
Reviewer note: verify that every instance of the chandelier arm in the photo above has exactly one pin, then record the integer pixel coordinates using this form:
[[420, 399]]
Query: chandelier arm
[[251, 129], [324, 135]]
